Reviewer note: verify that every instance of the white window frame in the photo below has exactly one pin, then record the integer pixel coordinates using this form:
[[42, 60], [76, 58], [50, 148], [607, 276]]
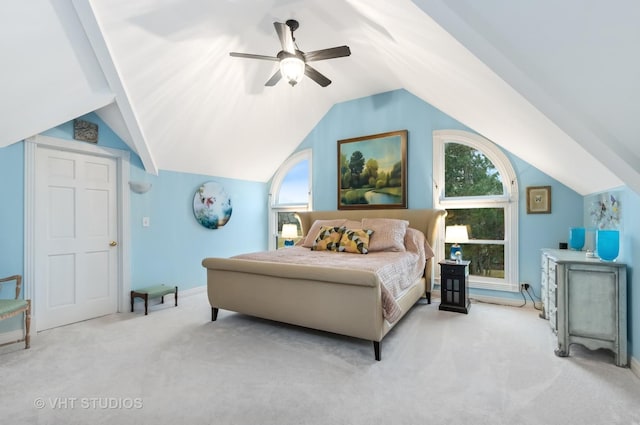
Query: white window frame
[[274, 191], [508, 200]]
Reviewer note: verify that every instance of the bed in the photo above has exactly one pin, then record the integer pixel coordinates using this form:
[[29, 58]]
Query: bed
[[348, 299]]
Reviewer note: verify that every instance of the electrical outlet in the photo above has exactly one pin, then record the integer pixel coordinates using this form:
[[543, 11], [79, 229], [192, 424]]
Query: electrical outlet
[[524, 286]]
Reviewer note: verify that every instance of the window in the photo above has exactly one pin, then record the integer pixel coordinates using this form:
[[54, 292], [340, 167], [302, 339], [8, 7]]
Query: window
[[290, 192], [475, 182]]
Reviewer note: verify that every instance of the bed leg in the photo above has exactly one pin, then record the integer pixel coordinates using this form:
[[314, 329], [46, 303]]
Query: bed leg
[[376, 349], [214, 314], [428, 294]]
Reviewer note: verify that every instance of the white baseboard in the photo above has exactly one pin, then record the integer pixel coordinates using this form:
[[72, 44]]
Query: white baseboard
[[494, 300], [192, 291], [181, 295], [504, 301], [634, 364], [11, 336]]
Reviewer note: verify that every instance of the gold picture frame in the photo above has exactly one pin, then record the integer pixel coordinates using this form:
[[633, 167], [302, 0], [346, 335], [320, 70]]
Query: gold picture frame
[[539, 200], [372, 171]]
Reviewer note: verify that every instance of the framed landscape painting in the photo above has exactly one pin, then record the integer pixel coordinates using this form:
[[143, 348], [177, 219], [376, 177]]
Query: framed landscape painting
[[372, 171]]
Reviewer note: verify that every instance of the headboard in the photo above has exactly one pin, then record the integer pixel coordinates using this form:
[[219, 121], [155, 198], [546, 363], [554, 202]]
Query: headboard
[[425, 220]]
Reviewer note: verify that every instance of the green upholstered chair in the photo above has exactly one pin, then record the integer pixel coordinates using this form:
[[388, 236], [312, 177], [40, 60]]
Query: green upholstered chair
[[14, 307]]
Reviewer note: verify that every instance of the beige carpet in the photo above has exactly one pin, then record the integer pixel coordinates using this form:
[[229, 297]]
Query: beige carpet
[[493, 366]]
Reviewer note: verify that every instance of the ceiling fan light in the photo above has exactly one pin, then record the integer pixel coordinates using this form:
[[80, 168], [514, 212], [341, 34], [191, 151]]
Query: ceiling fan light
[[292, 69]]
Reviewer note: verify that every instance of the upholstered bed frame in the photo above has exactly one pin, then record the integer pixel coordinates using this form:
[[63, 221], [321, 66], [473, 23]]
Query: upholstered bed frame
[[347, 303]]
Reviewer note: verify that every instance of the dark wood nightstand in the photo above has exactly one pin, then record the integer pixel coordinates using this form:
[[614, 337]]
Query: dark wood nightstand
[[454, 286]]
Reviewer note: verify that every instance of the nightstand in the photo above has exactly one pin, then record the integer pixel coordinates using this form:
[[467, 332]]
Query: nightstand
[[454, 286]]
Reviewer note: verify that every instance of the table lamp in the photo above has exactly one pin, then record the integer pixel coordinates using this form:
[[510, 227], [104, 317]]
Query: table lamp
[[456, 235], [289, 231]]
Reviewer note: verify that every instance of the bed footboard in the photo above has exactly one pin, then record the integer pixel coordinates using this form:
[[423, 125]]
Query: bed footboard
[[347, 303]]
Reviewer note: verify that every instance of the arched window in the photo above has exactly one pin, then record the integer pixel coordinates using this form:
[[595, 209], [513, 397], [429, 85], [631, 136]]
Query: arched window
[[290, 192], [475, 182]]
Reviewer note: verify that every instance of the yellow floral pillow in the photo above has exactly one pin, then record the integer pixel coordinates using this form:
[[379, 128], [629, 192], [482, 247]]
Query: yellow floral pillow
[[328, 238], [355, 241]]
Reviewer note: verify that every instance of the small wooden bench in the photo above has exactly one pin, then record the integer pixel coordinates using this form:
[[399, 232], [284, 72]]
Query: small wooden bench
[[154, 292]]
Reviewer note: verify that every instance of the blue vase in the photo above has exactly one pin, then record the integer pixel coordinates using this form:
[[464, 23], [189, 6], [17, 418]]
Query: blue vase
[[608, 244], [456, 252], [576, 238]]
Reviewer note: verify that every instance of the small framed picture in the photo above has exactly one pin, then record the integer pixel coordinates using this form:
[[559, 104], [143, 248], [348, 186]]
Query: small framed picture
[[539, 200]]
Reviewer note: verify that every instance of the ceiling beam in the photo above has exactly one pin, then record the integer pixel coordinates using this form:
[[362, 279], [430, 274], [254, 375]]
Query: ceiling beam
[[94, 34]]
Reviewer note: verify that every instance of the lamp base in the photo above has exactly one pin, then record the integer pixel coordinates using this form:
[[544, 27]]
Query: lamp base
[[288, 243], [456, 252]]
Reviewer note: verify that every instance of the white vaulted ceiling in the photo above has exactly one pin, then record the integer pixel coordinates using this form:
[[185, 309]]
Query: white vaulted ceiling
[[555, 83]]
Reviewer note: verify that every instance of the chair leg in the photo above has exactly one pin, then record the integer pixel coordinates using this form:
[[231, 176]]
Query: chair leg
[[176, 296], [27, 326], [146, 303]]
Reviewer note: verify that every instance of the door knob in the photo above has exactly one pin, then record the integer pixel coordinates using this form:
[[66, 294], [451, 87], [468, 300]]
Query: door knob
[[113, 243]]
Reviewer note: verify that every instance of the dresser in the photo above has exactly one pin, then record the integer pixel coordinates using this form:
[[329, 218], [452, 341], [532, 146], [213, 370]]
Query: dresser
[[585, 300]]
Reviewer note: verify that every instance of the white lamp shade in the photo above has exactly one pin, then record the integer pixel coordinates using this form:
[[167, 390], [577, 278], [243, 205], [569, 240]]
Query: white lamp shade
[[292, 69], [456, 234], [289, 231]]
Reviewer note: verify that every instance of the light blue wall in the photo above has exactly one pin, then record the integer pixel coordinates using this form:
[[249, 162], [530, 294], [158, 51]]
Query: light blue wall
[[11, 217], [11, 223], [172, 248], [629, 254], [537, 231], [390, 111], [398, 110], [107, 137]]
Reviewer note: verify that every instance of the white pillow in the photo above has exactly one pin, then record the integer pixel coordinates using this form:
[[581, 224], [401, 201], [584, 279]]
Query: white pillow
[[415, 241], [388, 233]]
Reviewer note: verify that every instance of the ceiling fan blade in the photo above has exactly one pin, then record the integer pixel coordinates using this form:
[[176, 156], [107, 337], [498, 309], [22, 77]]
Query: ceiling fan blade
[[316, 76], [252, 56], [334, 52], [285, 36], [274, 79]]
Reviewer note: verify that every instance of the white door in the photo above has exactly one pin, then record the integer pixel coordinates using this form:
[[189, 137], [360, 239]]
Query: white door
[[76, 229]]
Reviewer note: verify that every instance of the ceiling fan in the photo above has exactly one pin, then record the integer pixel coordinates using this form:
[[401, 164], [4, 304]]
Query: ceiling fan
[[293, 62]]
